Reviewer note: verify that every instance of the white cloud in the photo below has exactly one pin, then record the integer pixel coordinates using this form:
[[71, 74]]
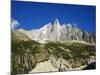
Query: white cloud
[[14, 24]]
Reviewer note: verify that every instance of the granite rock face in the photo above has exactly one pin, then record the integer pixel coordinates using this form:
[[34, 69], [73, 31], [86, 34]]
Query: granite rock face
[[58, 32]]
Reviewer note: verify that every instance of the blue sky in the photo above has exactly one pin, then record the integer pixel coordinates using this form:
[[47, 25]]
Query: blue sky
[[34, 15]]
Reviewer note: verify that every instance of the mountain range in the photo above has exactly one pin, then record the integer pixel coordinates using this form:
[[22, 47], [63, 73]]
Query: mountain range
[[56, 32], [53, 47]]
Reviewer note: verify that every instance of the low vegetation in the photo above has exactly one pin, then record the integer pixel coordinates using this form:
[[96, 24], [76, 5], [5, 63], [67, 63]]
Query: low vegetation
[[26, 54]]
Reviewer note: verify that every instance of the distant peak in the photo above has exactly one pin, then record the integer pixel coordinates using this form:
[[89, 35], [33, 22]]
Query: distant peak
[[56, 19], [57, 25], [69, 25], [49, 23], [64, 25], [56, 22]]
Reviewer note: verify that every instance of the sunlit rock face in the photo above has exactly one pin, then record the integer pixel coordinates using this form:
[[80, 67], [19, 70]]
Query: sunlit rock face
[[58, 32]]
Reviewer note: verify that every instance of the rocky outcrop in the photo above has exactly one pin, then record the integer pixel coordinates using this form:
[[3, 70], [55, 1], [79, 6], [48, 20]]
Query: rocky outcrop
[[89, 37], [16, 35], [59, 65]]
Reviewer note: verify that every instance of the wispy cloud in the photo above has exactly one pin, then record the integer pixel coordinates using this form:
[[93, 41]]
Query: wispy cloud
[[14, 24]]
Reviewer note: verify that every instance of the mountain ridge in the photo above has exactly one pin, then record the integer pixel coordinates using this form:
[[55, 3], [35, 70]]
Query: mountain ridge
[[58, 32]]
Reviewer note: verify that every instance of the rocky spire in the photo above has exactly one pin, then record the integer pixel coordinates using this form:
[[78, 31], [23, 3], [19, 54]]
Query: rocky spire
[[57, 25], [56, 22]]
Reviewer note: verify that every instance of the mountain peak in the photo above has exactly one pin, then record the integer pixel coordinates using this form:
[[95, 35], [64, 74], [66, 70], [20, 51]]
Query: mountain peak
[[56, 22], [69, 25]]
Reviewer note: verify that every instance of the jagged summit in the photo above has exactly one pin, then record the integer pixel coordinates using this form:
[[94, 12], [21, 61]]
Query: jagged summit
[[56, 22], [58, 32], [57, 25]]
